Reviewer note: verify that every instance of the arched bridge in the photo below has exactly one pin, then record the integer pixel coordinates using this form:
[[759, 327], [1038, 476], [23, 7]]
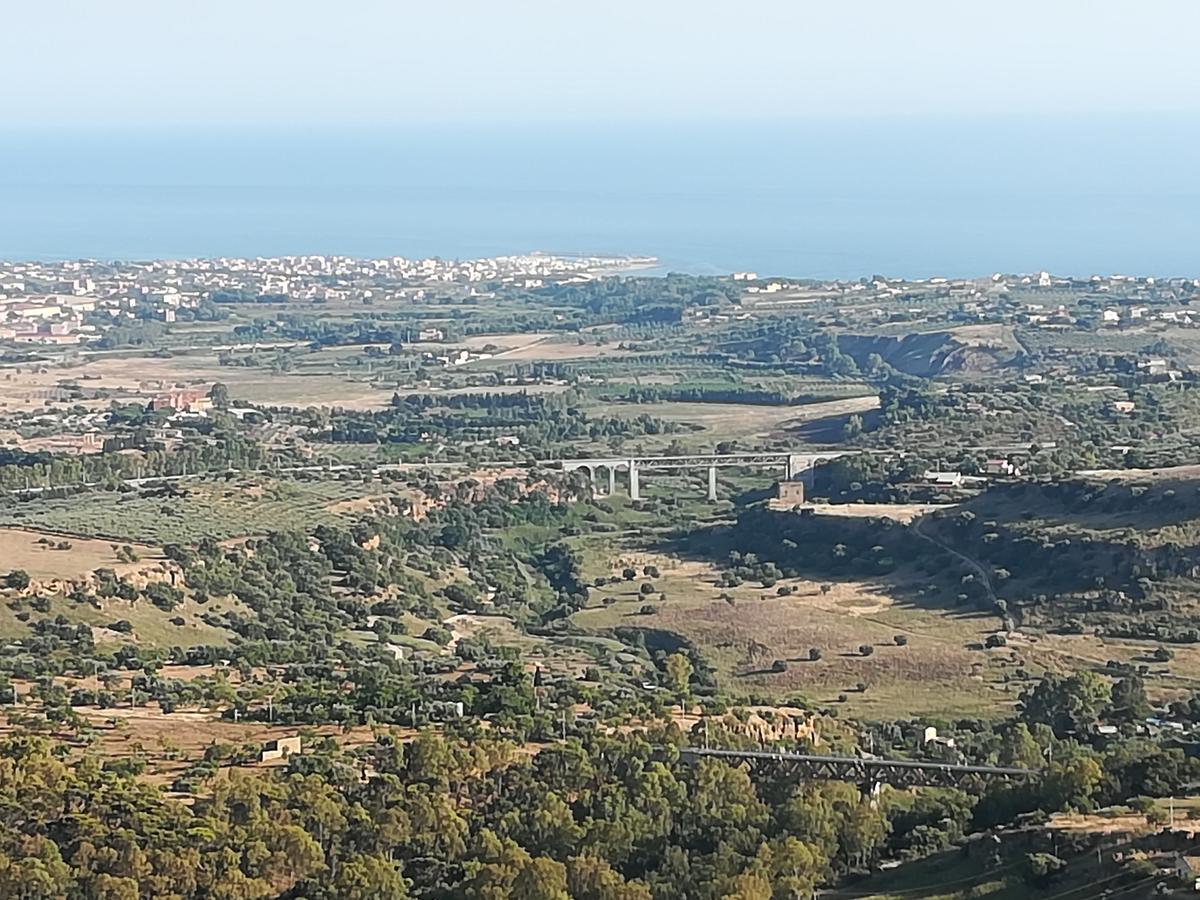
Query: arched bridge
[[794, 466], [869, 772]]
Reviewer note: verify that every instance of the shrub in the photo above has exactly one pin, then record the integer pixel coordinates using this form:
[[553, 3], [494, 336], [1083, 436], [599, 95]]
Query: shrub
[[18, 579], [163, 595]]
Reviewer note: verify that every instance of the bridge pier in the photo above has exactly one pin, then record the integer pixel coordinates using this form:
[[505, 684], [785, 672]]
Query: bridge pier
[[872, 790], [796, 466]]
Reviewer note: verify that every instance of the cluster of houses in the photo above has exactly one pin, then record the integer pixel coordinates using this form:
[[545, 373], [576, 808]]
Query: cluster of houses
[[192, 402], [44, 318], [70, 302], [998, 467]]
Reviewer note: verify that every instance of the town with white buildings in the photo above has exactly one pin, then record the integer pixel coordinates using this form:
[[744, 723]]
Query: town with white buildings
[[72, 302]]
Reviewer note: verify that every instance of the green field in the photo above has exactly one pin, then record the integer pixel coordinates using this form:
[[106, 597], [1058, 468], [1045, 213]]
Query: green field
[[199, 509]]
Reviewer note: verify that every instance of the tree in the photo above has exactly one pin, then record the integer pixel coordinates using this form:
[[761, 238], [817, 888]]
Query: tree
[[1066, 703], [366, 877], [629, 573], [814, 653], [900, 640], [541, 878], [592, 878], [1071, 784], [1019, 749], [792, 866], [1129, 703], [18, 579], [219, 395], [866, 649], [679, 673], [1042, 868]]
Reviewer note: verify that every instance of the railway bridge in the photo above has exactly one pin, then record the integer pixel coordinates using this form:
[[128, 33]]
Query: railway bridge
[[868, 772], [793, 465]]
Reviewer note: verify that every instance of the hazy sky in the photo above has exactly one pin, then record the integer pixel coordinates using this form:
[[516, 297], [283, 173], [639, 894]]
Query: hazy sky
[[66, 62]]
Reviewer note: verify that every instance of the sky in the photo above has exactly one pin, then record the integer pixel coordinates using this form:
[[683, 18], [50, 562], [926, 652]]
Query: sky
[[150, 63]]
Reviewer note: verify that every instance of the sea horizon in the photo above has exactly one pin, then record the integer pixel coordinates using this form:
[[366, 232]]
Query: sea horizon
[[828, 198]]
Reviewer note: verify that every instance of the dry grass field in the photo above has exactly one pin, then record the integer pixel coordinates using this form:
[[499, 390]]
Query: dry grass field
[[332, 377], [1167, 473], [721, 421], [139, 379], [1066, 653], [547, 346], [899, 512], [150, 626], [37, 553], [936, 671]]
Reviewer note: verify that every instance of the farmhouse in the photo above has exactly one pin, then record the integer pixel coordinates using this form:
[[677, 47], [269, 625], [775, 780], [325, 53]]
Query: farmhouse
[[280, 748], [183, 401]]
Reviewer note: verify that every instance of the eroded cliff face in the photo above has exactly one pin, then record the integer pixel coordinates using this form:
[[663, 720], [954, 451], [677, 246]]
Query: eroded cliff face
[[933, 353]]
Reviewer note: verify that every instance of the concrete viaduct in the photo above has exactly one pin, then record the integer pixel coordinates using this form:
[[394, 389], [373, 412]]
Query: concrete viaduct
[[794, 466]]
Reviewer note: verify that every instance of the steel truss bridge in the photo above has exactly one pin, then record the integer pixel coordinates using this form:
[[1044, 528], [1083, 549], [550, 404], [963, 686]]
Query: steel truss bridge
[[868, 772]]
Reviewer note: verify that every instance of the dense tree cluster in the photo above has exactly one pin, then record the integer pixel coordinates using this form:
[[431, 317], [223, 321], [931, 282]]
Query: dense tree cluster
[[535, 420]]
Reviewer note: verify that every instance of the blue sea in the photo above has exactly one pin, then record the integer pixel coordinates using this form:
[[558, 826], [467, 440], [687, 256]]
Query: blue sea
[[822, 198]]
